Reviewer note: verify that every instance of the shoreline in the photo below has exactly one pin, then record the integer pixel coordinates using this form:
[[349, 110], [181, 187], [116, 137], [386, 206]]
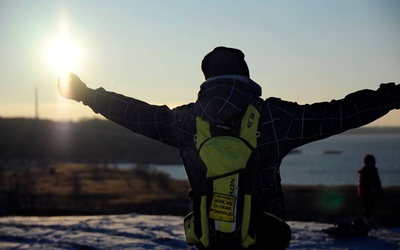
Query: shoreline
[[85, 189], [330, 204]]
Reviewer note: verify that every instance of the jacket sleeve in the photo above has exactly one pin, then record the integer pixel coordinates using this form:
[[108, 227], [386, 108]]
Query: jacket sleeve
[[149, 120], [306, 123]]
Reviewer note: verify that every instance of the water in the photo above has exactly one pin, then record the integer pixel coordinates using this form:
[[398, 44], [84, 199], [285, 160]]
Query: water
[[312, 166]]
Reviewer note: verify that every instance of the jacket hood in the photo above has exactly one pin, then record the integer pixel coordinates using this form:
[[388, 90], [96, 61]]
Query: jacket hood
[[221, 99]]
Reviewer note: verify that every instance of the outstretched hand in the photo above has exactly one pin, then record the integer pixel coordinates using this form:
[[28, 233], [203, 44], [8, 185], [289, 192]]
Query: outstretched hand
[[72, 87]]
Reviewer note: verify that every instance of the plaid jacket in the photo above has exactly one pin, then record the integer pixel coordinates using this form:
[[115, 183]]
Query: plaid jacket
[[283, 125]]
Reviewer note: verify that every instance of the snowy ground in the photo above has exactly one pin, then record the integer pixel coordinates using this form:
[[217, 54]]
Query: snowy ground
[[134, 231]]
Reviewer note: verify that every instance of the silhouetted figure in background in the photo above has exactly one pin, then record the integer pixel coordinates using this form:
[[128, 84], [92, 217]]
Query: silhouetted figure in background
[[369, 187], [222, 100]]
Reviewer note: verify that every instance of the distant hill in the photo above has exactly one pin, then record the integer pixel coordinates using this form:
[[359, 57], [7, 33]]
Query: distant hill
[[374, 130], [96, 140]]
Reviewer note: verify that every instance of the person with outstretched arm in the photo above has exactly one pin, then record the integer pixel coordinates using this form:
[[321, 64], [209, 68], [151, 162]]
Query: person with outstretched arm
[[223, 97]]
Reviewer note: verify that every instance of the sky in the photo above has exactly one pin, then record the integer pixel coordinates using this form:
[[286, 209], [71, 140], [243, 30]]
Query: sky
[[302, 51]]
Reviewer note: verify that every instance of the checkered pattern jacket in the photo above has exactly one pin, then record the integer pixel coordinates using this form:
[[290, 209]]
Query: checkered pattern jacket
[[283, 125]]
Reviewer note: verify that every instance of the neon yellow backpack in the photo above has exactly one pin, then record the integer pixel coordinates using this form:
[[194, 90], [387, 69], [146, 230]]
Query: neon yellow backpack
[[222, 199]]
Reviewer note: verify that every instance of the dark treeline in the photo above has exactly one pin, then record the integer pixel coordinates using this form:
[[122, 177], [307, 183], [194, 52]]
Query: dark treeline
[[94, 140]]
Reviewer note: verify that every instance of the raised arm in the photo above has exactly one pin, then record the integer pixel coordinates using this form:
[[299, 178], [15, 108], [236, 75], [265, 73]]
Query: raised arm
[[149, 120], [306, 123]]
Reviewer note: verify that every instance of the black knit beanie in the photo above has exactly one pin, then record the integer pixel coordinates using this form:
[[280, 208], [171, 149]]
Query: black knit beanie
[[224, 61]]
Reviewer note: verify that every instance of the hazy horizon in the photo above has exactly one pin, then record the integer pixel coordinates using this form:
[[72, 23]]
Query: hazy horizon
[[98, 117]]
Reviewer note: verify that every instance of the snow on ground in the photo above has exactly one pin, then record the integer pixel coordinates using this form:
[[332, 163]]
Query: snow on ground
[[135, 231]]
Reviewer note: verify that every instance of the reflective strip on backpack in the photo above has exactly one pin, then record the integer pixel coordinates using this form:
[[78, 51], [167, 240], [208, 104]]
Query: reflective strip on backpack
[[246, 239], [204, 239]]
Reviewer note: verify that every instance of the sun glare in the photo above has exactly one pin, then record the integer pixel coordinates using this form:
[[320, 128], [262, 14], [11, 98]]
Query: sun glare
[[62, 53]]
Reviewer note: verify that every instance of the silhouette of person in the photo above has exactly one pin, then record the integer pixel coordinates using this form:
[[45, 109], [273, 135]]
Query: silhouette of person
[[369, 187], [223, 96]]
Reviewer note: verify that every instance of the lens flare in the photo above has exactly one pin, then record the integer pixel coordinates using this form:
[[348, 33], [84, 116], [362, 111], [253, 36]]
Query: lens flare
[[62, 53], [331, 200]]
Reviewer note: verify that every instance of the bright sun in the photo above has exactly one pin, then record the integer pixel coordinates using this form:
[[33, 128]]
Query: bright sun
[[62, 53]]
